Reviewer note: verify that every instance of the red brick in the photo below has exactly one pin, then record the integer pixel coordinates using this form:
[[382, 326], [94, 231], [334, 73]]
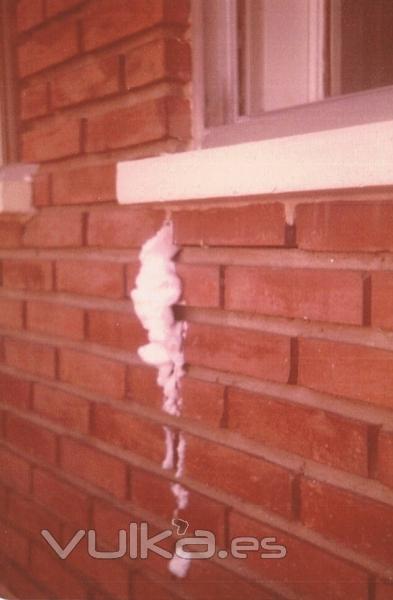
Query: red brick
[[3, 500], [253, 225], [122, 227], [248, 352], [381, 300], [158, 60], [54, 7], [61, 498], [54, 230], [62, 139], [140, 436], [55, 319], [208, 581], [347, 370], [345, 226], [146, 122], [93, 372], [132, 272], [10, 233], [116, 329], [48, 46], [110, 575], [311, 573], [202, 401], [248, 477], [32, 519], [34, 101], [14, 545], [20, 583], [29, 13], [94, 79], [91, 277], [2, 423], [87, 185], [14, 471], [102, 25], [11, 313], [108, 520], [142, 386], [153, 493], [68, 410], [30, 357], [385, 458], [98, 594], [200, 284], [334, 296], [31, 438], [179, 118], [310, 432], [32, 275], [50, 571], [355, 521], [94, 466], [41, 190], [384, 591], [150, 590]]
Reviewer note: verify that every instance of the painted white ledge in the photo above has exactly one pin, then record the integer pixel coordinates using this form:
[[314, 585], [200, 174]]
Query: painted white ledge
[[356, 156], [16, 193]]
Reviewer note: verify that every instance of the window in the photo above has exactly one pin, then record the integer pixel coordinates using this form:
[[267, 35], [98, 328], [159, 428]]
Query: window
[[291, 96], [269, 68]]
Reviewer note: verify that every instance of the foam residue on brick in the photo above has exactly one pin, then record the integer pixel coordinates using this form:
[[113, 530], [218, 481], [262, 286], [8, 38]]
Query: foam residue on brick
[[179, 566], [179, 492], [170, 446], [157, 289], [181, 495], [181, 455]]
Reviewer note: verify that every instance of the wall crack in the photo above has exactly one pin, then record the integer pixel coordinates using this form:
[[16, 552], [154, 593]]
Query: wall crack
[[157, 289]]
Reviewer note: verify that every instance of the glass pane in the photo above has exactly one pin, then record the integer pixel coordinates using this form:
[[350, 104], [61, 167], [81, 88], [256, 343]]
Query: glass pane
[[361, 45], [282, 54]]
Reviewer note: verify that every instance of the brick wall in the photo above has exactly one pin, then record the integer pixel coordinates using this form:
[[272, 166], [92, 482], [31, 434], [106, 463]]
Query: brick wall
[[287, 400]]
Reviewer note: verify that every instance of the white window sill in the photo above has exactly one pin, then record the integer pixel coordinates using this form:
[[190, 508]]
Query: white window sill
[[351, 157], [16, 194]]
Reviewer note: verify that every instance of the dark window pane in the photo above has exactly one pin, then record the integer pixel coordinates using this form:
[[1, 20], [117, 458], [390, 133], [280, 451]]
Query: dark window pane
[[366, 44]]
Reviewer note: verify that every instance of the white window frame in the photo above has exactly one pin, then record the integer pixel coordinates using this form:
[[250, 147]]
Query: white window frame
[[335, 112]]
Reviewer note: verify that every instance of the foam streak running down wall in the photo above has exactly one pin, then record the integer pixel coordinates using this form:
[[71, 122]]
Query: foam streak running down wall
[[157, 290]]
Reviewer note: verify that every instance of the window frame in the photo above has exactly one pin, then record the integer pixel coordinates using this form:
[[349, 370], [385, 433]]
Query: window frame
[[335, 112]]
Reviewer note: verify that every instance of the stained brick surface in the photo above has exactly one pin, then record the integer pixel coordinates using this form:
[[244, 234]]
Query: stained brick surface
[[286, 422]]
